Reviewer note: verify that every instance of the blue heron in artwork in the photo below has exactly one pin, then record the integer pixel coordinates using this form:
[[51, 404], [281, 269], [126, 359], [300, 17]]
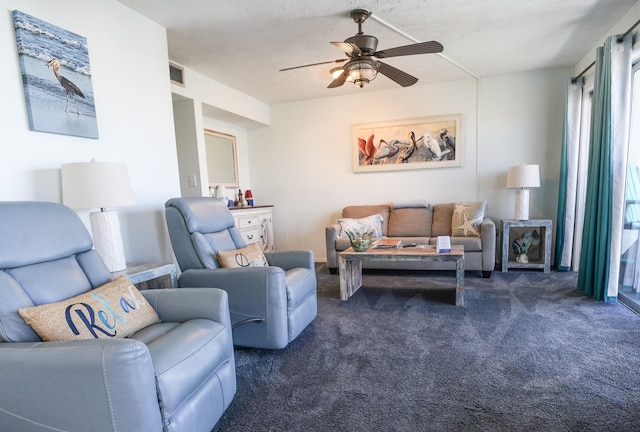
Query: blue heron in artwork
[[69, 87]]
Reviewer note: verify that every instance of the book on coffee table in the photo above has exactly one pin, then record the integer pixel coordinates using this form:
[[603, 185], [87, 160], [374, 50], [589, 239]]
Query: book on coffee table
[[443, 244], [387, 244]]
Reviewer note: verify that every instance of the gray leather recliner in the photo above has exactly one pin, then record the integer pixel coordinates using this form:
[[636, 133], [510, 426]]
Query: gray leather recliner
[[176, 375], [270, 306]]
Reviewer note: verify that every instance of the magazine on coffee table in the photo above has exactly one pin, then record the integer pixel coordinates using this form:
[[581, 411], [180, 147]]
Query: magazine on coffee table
[[387, 244]]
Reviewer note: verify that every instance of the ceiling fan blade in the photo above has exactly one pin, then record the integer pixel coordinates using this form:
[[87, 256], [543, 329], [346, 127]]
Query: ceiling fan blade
[[350, 48], [314, 64], [418, 48], [338, 81], [400, 77]]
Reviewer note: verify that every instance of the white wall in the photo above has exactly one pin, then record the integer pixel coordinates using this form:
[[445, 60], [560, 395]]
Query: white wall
[[521, 121], [129, 65], [302, 162], [222, 109]]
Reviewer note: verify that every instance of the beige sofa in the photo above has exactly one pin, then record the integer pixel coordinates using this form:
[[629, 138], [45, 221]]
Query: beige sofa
[[420, 224]]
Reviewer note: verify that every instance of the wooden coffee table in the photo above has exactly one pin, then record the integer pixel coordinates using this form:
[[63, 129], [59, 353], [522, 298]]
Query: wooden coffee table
[[350, 265]]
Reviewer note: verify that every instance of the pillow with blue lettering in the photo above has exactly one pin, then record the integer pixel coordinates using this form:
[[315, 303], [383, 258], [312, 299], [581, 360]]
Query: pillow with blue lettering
[[115, 309]]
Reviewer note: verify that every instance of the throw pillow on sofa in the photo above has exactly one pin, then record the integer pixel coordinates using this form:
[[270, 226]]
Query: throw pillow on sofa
[[467, 218], [442, 214], [410, 222], [367, 224]]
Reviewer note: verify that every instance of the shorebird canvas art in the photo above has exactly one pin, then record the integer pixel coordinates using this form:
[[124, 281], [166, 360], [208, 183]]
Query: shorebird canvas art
[[56, 75]]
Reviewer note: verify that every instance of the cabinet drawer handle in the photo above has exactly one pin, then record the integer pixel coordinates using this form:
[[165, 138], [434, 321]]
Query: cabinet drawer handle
[[250, 236]]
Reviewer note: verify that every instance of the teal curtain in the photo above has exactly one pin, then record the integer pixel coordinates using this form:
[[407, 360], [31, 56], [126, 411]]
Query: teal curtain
[[594, 256], [568, 181], [602, 232]]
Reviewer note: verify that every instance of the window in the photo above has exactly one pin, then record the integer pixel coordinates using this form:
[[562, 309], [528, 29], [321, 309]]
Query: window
[[629, 284]]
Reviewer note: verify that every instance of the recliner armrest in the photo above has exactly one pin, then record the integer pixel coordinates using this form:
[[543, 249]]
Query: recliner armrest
[[184, 304], [254, 292], [287, 260], [92, 383], [245, 279]]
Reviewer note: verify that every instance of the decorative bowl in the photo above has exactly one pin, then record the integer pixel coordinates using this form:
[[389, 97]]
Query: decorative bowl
[[360, 242]]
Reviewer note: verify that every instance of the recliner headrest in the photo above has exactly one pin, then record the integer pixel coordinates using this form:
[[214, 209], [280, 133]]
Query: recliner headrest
[[56, 230], [204, 215]]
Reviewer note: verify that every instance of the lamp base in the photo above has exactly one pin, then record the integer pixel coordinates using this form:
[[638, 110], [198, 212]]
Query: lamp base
[[522, 204], [107, 239]]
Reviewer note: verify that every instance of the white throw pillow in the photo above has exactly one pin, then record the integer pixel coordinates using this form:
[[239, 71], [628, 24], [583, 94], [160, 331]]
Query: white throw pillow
[[362, 225]]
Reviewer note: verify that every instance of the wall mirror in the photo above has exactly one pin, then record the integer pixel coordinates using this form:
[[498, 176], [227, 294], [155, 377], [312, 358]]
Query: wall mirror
[[222, 160]]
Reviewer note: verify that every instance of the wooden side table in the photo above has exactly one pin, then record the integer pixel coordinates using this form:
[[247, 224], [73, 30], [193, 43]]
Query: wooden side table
[[544, 247], [151, 275]]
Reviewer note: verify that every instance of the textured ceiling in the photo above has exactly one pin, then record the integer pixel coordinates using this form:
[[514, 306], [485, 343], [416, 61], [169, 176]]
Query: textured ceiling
[[243, 44]]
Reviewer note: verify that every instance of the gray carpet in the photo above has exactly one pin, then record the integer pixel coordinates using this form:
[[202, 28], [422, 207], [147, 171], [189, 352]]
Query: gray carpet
[[526, 353]]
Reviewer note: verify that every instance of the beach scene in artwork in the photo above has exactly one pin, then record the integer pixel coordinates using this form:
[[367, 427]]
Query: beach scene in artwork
[[56, 76]]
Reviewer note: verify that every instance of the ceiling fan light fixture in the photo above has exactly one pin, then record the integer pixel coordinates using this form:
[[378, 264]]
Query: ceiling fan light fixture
[[336, 71], [360, 72]]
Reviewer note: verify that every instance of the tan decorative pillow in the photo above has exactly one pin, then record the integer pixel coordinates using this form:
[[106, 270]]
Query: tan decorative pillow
[[410, 222], [250, 256], [442, 214], [115, 309], [467, 218]]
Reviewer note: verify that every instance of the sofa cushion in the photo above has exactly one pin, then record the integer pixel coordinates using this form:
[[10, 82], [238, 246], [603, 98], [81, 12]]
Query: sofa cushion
[[442, 214], [410, 222], [249, 256], [467, 218], [362, 211], [363, 225], [115, 309]]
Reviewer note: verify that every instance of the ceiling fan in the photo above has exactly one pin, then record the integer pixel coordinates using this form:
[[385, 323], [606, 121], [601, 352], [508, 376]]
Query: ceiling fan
[[361, 65]]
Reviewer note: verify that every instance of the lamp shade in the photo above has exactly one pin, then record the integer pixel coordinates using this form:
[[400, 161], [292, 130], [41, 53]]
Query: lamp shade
[[87, 185], [523, 176]]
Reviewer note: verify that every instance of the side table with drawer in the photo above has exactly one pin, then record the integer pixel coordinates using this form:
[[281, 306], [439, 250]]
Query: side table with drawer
[[255, 225]]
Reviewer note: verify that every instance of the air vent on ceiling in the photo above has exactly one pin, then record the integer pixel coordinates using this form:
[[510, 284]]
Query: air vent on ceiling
[[176, 74]]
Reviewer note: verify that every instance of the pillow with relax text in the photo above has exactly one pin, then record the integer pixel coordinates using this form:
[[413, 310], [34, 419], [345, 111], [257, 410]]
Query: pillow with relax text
[[367, 224], [467, 218], [250, 256], [115, 309]]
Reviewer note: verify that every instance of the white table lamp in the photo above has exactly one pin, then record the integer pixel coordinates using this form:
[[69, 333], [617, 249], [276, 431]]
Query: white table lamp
[[89, 185], [523, 177]]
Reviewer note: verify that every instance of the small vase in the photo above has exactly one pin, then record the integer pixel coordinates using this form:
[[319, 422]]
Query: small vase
[[360, 242], [522, 259]]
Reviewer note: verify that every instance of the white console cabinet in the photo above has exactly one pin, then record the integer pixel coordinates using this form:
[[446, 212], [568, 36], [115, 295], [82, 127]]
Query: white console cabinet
[[256, 225]]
